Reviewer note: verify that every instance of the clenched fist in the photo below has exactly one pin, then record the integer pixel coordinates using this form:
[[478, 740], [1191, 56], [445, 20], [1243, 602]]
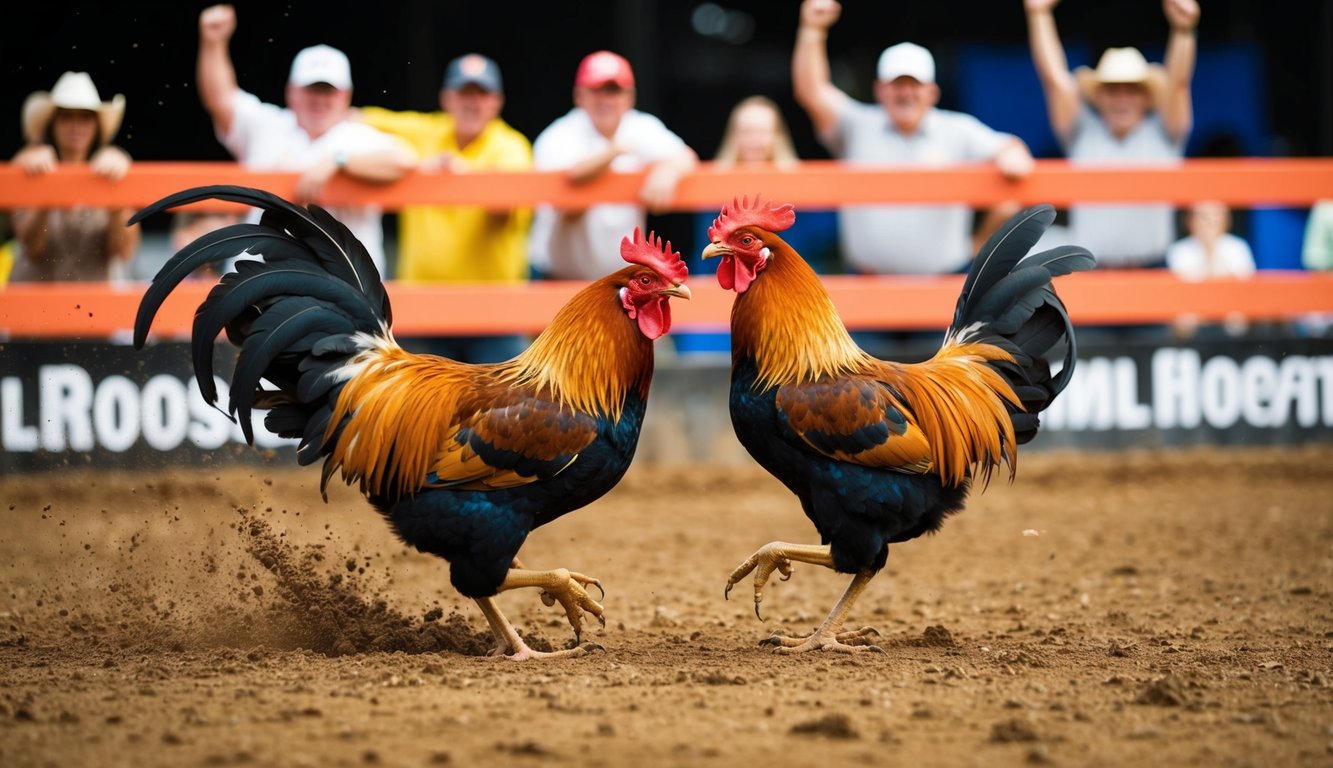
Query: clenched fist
[[217, 23]]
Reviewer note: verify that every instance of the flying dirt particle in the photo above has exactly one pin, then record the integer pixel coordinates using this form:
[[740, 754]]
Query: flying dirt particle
[[528, 748], [1013, 730], [831, 726]]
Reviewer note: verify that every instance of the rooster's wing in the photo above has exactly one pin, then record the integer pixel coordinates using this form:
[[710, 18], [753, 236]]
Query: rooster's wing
[[855, 419], [518, 440]]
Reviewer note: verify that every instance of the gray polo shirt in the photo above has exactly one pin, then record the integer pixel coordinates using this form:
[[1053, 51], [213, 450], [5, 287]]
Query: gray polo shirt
[[1122, 235], [908, 239]]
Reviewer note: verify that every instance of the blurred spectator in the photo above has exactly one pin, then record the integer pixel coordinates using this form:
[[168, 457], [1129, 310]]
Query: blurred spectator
[[1210, 251], [312, 135], [70, 124], [906, 128], [757, 138], [603, 132], [188, 226], [463, 244], [1317, 251], [1125, 112]]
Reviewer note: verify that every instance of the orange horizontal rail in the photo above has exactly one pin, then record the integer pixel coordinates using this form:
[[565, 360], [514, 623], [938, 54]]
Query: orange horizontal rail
[[816, 184], [97, 311]]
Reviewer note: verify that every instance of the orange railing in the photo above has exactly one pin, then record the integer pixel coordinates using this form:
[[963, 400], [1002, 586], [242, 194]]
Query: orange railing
[[97, 310], [83, 310], [816, 184]]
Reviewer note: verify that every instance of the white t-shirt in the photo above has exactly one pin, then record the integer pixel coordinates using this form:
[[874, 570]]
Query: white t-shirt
[[585, 245], [265, 137], [1231, 258], [908, 239], [1123, 235]]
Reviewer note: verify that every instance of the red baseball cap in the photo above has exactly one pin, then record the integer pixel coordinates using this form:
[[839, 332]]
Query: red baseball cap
[[602, 67]]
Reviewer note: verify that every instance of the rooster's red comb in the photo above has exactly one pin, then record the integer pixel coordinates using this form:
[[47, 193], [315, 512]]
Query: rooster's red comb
[[741, 213], [651, 252]]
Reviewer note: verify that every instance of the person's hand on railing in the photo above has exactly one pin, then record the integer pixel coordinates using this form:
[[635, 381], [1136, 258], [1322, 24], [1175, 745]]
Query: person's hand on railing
[[110, 162], [37, 159]]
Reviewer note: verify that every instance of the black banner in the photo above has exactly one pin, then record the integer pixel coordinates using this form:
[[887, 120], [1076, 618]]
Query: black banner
[[105, 405]]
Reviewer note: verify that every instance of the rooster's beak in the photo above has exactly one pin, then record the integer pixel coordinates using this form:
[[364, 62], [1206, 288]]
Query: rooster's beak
[[681, 291], [715, 250]]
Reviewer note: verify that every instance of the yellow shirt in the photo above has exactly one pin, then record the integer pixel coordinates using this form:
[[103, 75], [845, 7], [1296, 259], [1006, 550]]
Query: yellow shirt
[[460, 244]]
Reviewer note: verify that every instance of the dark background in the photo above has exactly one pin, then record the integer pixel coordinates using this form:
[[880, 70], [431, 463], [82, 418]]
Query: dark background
[[694, 60]]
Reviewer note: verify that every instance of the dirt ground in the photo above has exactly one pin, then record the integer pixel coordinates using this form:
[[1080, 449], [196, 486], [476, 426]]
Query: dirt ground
[[1119, 609]]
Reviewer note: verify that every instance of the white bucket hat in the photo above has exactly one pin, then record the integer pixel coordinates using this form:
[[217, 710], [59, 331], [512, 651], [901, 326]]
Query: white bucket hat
[[74, 90], [1123, 65]]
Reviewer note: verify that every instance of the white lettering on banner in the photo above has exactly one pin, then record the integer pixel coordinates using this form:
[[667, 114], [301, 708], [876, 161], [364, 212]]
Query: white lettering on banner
[[1185, 391], [209, 427], [1324, 368], [116, 413], [1092, 400], [1219, 386], [1175, 389], [166, 417], [1129, 412], [74, 414], [14, 434], [1297, 390], [65, 401]]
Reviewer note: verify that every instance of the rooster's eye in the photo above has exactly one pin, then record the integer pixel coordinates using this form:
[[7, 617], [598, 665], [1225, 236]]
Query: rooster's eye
[[645, 280], [747, 240]]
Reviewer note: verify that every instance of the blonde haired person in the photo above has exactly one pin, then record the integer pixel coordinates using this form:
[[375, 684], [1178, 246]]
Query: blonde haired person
[[757, 138], [756, 135], [71, 125]]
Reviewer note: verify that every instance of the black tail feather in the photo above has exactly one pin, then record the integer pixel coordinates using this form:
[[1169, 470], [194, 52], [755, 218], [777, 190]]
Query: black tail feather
[[1009, 301], [1002, 250], [295, 314]]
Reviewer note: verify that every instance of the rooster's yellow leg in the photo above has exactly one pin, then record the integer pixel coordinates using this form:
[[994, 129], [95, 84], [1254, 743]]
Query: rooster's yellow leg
[[776, 556], [827, 637], [507, 637], [562, 586]]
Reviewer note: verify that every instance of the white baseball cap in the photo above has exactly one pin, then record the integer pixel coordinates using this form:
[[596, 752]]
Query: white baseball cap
[[906, 60], [321, 64]]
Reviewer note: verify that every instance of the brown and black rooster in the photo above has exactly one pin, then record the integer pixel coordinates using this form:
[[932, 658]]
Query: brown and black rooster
[[462, 460], [881, 452]]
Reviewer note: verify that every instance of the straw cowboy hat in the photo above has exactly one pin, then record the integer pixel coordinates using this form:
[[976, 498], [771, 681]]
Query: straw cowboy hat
[[74, 90], [1123, 65]]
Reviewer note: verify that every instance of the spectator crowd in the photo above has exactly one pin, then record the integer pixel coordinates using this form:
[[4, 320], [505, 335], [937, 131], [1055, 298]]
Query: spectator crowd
[[1125, 110]]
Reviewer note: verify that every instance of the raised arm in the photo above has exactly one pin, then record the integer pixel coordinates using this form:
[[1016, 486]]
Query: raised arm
[[214, 71], [813, 87], [1181, 49], [1048, 56]]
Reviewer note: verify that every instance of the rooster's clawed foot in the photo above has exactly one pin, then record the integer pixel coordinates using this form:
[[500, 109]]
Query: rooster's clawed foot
[[854, 641]]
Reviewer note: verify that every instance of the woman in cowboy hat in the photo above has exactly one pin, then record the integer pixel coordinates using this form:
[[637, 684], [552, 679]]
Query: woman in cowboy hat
[[70, 124], [1126, 111]]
